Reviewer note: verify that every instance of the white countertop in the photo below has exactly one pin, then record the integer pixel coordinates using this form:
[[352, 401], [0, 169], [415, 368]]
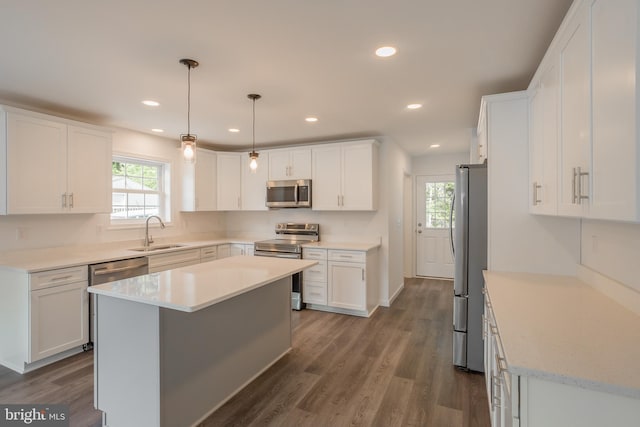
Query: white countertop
[[198, 286], [345, 246], [34, 260], [561, 329]]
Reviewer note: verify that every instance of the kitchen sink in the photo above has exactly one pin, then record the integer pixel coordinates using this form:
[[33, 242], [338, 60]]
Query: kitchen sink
[[155, 248]]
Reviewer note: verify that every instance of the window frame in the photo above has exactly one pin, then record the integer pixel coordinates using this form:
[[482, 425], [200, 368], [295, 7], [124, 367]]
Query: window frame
[[163, 192]]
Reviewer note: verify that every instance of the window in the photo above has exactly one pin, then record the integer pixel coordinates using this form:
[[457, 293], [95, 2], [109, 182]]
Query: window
[[438, 197], [139, 189]]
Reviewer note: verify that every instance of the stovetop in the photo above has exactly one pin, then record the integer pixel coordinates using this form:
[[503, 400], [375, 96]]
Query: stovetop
[[290, 238]]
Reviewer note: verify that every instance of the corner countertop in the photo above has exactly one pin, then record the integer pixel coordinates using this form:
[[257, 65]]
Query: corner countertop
[[199, 286], [345, 246], [561, 329]]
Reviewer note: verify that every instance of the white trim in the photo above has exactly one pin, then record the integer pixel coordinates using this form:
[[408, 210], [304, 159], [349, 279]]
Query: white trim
[[395, 295]]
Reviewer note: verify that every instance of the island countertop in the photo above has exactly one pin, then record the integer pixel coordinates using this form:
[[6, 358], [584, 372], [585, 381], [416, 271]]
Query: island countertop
[[195, 287]]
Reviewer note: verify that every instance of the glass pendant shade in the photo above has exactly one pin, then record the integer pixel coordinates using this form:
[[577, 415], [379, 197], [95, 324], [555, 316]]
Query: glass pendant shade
[[253, 161], [253, 156], [189, 148]]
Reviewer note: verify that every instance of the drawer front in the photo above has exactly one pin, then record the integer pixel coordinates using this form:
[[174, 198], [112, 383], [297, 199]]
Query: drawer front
[[317, 273], [210, 252], [349, 256], [314, 253], [174, 258], [314, 293], [47, 279]]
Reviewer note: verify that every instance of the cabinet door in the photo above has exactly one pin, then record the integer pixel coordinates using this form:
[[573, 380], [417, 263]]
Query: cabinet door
[[224, 251], [326, 178], [199, 183], [615, 140], [357, 177], [300, 167], [59, 318], [229, 181], [36, 165], [254, 186], [88, 170], [237, 249], [347, 285], [575, 138], [279, 165]]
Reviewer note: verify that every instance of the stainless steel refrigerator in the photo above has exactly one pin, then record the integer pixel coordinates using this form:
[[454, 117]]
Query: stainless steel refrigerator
[[470, 258]]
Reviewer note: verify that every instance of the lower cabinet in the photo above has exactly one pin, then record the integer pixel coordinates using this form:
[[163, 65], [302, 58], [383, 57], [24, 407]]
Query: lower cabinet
[[168, 261], [59, 319], [224, 251], [240, 249], [344, 281]]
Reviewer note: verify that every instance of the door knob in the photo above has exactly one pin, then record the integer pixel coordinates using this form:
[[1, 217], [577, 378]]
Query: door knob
[[419, 224], [419, 231]]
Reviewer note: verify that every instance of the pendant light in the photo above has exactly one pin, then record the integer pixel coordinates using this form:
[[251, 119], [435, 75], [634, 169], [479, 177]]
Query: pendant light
[[188, 140], [253, 156]]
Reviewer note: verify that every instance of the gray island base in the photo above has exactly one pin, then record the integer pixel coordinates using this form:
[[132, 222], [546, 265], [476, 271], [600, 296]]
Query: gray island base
[[165, 366]]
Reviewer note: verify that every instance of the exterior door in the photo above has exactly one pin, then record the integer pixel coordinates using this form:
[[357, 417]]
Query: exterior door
[[434, 195]]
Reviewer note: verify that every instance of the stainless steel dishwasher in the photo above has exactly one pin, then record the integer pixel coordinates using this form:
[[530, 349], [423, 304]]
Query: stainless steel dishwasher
[[110, 272]]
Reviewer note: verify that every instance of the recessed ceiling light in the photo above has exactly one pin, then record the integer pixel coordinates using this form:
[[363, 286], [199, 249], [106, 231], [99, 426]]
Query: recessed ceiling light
[[311, 119], [414, 106], [157, 130], [385, 51], [434, 146], [150, 103], [234, 130]]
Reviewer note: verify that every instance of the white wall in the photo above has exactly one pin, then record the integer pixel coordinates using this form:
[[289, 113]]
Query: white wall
[[613, 250], [438, 164], [39, 231]]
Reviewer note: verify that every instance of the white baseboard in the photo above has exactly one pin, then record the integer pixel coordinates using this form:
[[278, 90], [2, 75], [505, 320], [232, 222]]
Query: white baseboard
[[390, 301]]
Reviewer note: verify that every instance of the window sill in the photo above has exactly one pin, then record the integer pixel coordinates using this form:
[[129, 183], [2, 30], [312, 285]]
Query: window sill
[[137, 226]]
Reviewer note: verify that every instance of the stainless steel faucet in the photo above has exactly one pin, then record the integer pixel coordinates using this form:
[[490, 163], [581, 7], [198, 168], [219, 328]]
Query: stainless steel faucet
[[148, 240]]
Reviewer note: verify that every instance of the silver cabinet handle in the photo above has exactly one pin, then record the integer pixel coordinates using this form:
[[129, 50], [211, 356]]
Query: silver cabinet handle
[[71, 200], [338, 200], [363, 274], [573, 188], [579, 175], [57, 279], [64, 200], [536, 200]]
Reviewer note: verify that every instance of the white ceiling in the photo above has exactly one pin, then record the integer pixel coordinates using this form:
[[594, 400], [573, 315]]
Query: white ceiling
[[97, 60]]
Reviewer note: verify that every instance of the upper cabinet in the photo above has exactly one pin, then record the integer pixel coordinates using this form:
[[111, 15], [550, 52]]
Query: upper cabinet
[[199, 192], [229, 182], [53, 165], [615, 191], [345, 176], [289, 163], [254, 185], [594, 56]]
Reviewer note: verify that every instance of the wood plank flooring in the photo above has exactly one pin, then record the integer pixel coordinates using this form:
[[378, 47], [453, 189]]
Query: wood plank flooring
[[393, 369]]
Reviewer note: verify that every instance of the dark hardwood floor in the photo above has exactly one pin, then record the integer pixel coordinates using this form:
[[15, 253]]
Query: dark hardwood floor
[[391, 369]]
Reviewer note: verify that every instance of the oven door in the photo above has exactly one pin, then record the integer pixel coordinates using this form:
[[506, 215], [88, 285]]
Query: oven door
[[277, 254]]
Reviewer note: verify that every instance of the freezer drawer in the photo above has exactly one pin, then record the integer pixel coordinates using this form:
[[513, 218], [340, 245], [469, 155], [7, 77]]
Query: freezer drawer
[[460, 349], [460, 314]]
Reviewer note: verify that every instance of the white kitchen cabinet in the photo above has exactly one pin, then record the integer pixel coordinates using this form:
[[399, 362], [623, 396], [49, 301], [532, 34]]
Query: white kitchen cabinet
[[254, 186], [240, 249], [209, 253], [199, 190], [482, 148], [543, 142], [53, 165], [176, 259], [352, 281], [224, 251], [615, 191], [289, 163], [575, 134], [59, 319], [43, 316], [229, 181], [314, 279], [345, 176]]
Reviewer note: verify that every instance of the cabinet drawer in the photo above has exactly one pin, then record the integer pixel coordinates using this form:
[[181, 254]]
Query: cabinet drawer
[[174, 258], [317, 273], [314, 292], [349, 256], [209, 253], [47, 279], [314, 253]]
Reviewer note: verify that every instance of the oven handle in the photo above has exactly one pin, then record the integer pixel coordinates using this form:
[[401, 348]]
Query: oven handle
[[277, 254]]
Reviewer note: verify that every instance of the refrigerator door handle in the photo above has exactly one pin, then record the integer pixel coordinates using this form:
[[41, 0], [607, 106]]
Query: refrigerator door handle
[[453, 249], [460, 282]]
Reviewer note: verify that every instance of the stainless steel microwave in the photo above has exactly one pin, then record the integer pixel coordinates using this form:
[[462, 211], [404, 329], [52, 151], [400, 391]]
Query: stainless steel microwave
[[289, 194]]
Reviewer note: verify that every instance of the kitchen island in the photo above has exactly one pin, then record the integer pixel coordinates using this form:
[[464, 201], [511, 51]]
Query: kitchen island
[[171, 347]]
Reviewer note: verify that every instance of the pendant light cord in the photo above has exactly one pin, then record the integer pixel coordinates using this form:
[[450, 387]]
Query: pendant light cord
[[254, 125], [189, 100]]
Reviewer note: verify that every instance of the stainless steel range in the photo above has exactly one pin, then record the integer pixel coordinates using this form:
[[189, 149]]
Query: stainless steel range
[[288, 244]]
